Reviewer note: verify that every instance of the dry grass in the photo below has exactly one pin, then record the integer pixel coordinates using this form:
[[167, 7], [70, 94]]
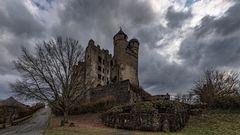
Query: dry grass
[[215, 122]]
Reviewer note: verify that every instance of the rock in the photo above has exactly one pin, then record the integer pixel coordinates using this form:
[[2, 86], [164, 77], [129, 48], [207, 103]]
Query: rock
[[165, 127]]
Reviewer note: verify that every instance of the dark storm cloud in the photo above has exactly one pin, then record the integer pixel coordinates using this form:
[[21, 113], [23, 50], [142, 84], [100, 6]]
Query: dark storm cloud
[[225, 25], [220, 52], [215, 42], [158, 76], [151, 35], [99, 12], [18, 20], [101, 19], [175, 18], [17, 27]]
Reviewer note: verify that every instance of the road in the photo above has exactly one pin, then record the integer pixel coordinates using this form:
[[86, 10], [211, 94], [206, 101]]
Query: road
[[33, 126]]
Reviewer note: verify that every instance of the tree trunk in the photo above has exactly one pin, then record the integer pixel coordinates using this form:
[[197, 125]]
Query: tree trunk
[[65, 116]]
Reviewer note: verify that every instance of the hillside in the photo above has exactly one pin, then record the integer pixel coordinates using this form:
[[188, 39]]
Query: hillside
[[215, 122]]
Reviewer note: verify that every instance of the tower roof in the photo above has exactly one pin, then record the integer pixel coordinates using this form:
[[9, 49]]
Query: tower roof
[[120, 32], [134, 40]]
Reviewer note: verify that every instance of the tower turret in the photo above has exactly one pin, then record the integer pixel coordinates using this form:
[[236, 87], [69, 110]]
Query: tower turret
[[134, 46], [120, 35], [120, 44], [125, 58]]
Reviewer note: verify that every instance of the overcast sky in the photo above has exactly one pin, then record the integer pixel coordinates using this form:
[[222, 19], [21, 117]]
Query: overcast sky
[[178, 38]]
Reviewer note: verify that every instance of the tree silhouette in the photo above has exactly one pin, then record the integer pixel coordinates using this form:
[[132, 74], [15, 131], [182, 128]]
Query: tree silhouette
[[49, 73]]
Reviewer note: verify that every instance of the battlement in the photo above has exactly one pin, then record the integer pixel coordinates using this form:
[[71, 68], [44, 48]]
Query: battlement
[[91, 44]]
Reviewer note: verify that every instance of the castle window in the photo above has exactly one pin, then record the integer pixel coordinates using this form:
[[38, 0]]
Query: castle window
[[103, 78], [114, 79], [99, 59], [99, 68], [111, 63], [103, 62], [103, 70], [99, 76]]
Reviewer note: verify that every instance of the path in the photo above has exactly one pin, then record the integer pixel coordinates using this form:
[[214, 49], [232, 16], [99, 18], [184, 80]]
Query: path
[[33, 126]]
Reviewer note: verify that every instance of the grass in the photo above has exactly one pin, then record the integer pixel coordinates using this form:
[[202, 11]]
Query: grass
[[214, 122]]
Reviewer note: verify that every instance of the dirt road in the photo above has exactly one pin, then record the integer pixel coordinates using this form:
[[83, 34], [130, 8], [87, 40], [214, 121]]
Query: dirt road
[[33, 126]]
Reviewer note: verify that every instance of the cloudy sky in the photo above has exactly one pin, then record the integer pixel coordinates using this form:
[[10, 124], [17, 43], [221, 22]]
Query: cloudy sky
[[178, 38]]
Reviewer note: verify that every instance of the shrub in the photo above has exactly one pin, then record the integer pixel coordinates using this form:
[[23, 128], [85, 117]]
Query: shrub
[[227, 102], [93, 107], [143, 107]]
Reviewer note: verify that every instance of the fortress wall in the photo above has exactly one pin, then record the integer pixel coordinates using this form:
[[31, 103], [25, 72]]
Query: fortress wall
[[120, 90]]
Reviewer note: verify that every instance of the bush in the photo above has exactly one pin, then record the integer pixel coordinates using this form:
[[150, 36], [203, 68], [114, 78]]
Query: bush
[[143, 107], [93, 107], [227, 102]]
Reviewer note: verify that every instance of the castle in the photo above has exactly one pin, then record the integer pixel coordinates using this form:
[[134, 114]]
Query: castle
[[113, 75], [102, 68]]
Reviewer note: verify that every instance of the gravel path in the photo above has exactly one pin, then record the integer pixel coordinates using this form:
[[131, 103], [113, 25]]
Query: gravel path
[[33, 126]]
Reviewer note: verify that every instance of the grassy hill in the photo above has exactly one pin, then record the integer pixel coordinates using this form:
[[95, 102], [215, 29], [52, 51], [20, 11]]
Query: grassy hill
[[214, 122]]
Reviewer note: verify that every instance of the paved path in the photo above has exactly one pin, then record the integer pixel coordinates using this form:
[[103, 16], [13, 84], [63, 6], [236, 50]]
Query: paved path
[[33, 126]]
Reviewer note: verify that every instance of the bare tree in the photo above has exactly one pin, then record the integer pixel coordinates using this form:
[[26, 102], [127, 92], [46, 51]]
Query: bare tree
[[216, 84], [49, 73]]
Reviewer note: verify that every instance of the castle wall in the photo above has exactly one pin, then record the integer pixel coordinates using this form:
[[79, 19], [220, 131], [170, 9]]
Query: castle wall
[[121, 91], [97, 65]]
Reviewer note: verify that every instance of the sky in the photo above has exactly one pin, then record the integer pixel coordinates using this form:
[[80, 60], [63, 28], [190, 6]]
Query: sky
[[179, 39]]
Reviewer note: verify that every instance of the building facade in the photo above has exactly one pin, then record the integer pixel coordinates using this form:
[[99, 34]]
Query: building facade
[[103, 68]]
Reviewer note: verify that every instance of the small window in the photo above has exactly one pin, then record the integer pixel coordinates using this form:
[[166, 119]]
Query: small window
[[103, 70], [114, 79], [103, 78], [103, 62], [111, 63], [99, 59], [99, 76], [99, 68]]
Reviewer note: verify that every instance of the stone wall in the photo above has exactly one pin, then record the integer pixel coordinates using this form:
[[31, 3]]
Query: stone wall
[[152, 121], [147, 116], [122, 91]]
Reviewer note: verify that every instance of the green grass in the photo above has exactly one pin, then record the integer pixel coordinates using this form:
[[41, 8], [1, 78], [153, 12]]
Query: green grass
[[216, 122], [71, 132]]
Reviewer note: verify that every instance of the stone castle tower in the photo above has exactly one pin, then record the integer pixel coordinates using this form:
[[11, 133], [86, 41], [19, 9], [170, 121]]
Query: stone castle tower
[[101, 68]]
